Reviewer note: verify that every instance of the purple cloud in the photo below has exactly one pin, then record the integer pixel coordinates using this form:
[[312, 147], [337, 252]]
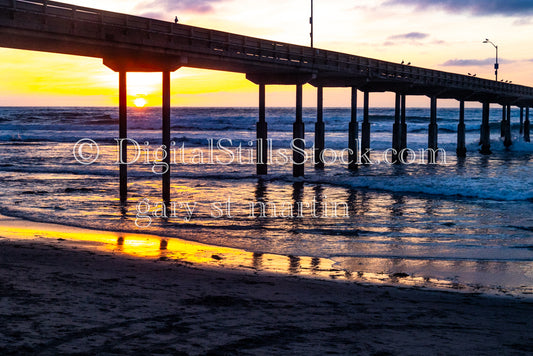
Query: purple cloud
[[409, 36], [161, 8], [475, 7], [472, 62]]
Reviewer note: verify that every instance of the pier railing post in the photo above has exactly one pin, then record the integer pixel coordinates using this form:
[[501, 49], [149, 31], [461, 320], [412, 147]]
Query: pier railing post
[[365, 128], [319, 129], [353, 133], [166, 137], [507, 142], [485, 130], [526, 126], [123, 135], [262, 134], [461, 131], [298, 136], [396, 128]]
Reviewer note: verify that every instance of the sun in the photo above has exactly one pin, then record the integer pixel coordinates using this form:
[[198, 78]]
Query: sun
[[140, 102]]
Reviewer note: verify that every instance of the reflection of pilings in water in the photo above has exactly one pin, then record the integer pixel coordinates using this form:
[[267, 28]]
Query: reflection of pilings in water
[[260, 199], [429, 207], [396, 212], [257, 260], [319, 198], [294, 264], [315, 264], [364, 203], [353, 206], [461, 165], [357, 203], [297, 193], [260, 191], [397, 208]]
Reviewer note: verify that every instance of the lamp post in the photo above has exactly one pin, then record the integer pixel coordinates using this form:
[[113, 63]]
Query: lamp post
[[311, 23], [496, 65]]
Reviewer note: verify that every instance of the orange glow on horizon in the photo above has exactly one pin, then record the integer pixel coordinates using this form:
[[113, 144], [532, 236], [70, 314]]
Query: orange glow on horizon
[[368, 29]]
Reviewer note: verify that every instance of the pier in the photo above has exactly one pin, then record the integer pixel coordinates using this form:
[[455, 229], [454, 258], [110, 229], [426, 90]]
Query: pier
[[127, 43]]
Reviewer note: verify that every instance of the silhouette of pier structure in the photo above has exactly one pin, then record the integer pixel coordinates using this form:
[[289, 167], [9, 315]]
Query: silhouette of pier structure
[[129, 43]]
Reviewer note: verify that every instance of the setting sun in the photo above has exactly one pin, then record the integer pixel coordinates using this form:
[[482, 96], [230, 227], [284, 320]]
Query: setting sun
[[140, 102]]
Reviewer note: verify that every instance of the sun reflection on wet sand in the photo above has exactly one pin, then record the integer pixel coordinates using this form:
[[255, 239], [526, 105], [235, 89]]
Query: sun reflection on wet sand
[[172, 249], [209, 256]]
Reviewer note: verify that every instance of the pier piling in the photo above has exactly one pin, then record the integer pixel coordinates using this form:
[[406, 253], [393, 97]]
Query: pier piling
[[319, 129], [298, 136], [123, 134], [507, 142], [521, 120], [353, 133], [396, 128], [403, 124], [461, 130], [503, 122], [526, 126], [433, 127], [166, 137], [485, 130], [365, 128], [262, 134]]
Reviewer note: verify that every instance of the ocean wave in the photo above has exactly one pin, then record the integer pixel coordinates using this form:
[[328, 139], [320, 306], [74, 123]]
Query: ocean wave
[[497, 188]]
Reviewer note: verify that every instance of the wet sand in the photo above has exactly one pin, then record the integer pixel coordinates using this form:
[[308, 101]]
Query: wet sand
[[58, 297]]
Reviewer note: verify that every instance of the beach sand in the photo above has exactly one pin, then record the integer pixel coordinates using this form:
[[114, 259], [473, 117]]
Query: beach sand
[[58, 298]]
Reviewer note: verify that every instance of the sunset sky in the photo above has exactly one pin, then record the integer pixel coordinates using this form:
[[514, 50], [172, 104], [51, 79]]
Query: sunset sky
[[447, 36]]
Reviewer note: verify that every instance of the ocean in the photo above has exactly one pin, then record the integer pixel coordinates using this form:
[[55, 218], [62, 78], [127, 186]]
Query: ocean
[[464, 224]]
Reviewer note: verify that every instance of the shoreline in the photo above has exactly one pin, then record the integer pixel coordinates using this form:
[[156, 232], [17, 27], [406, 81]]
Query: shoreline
[[62, 298], [221, 258]]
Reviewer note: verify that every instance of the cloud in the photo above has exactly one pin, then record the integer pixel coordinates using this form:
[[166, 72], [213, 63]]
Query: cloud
[[476, 7], [409, 36], [159, 8], [522, 22], [473, 62]]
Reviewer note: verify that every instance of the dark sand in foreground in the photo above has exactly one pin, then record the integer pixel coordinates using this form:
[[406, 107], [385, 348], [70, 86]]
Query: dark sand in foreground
[[57, 299]]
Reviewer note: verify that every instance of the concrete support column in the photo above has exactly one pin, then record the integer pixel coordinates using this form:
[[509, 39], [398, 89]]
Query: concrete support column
[[485, 130], [433, 141], [123, 134], [365, 127], [504, 119], [403, 124], [396, 127], [298, 136], [353, 133], [507, 142], [461, 131], [319, 129], [262, 134], [166, 136], [521, 120], [526, 126]]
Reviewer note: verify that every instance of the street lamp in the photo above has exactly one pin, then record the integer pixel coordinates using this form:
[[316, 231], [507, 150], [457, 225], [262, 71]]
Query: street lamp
[[311, 23], [496, 65]]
